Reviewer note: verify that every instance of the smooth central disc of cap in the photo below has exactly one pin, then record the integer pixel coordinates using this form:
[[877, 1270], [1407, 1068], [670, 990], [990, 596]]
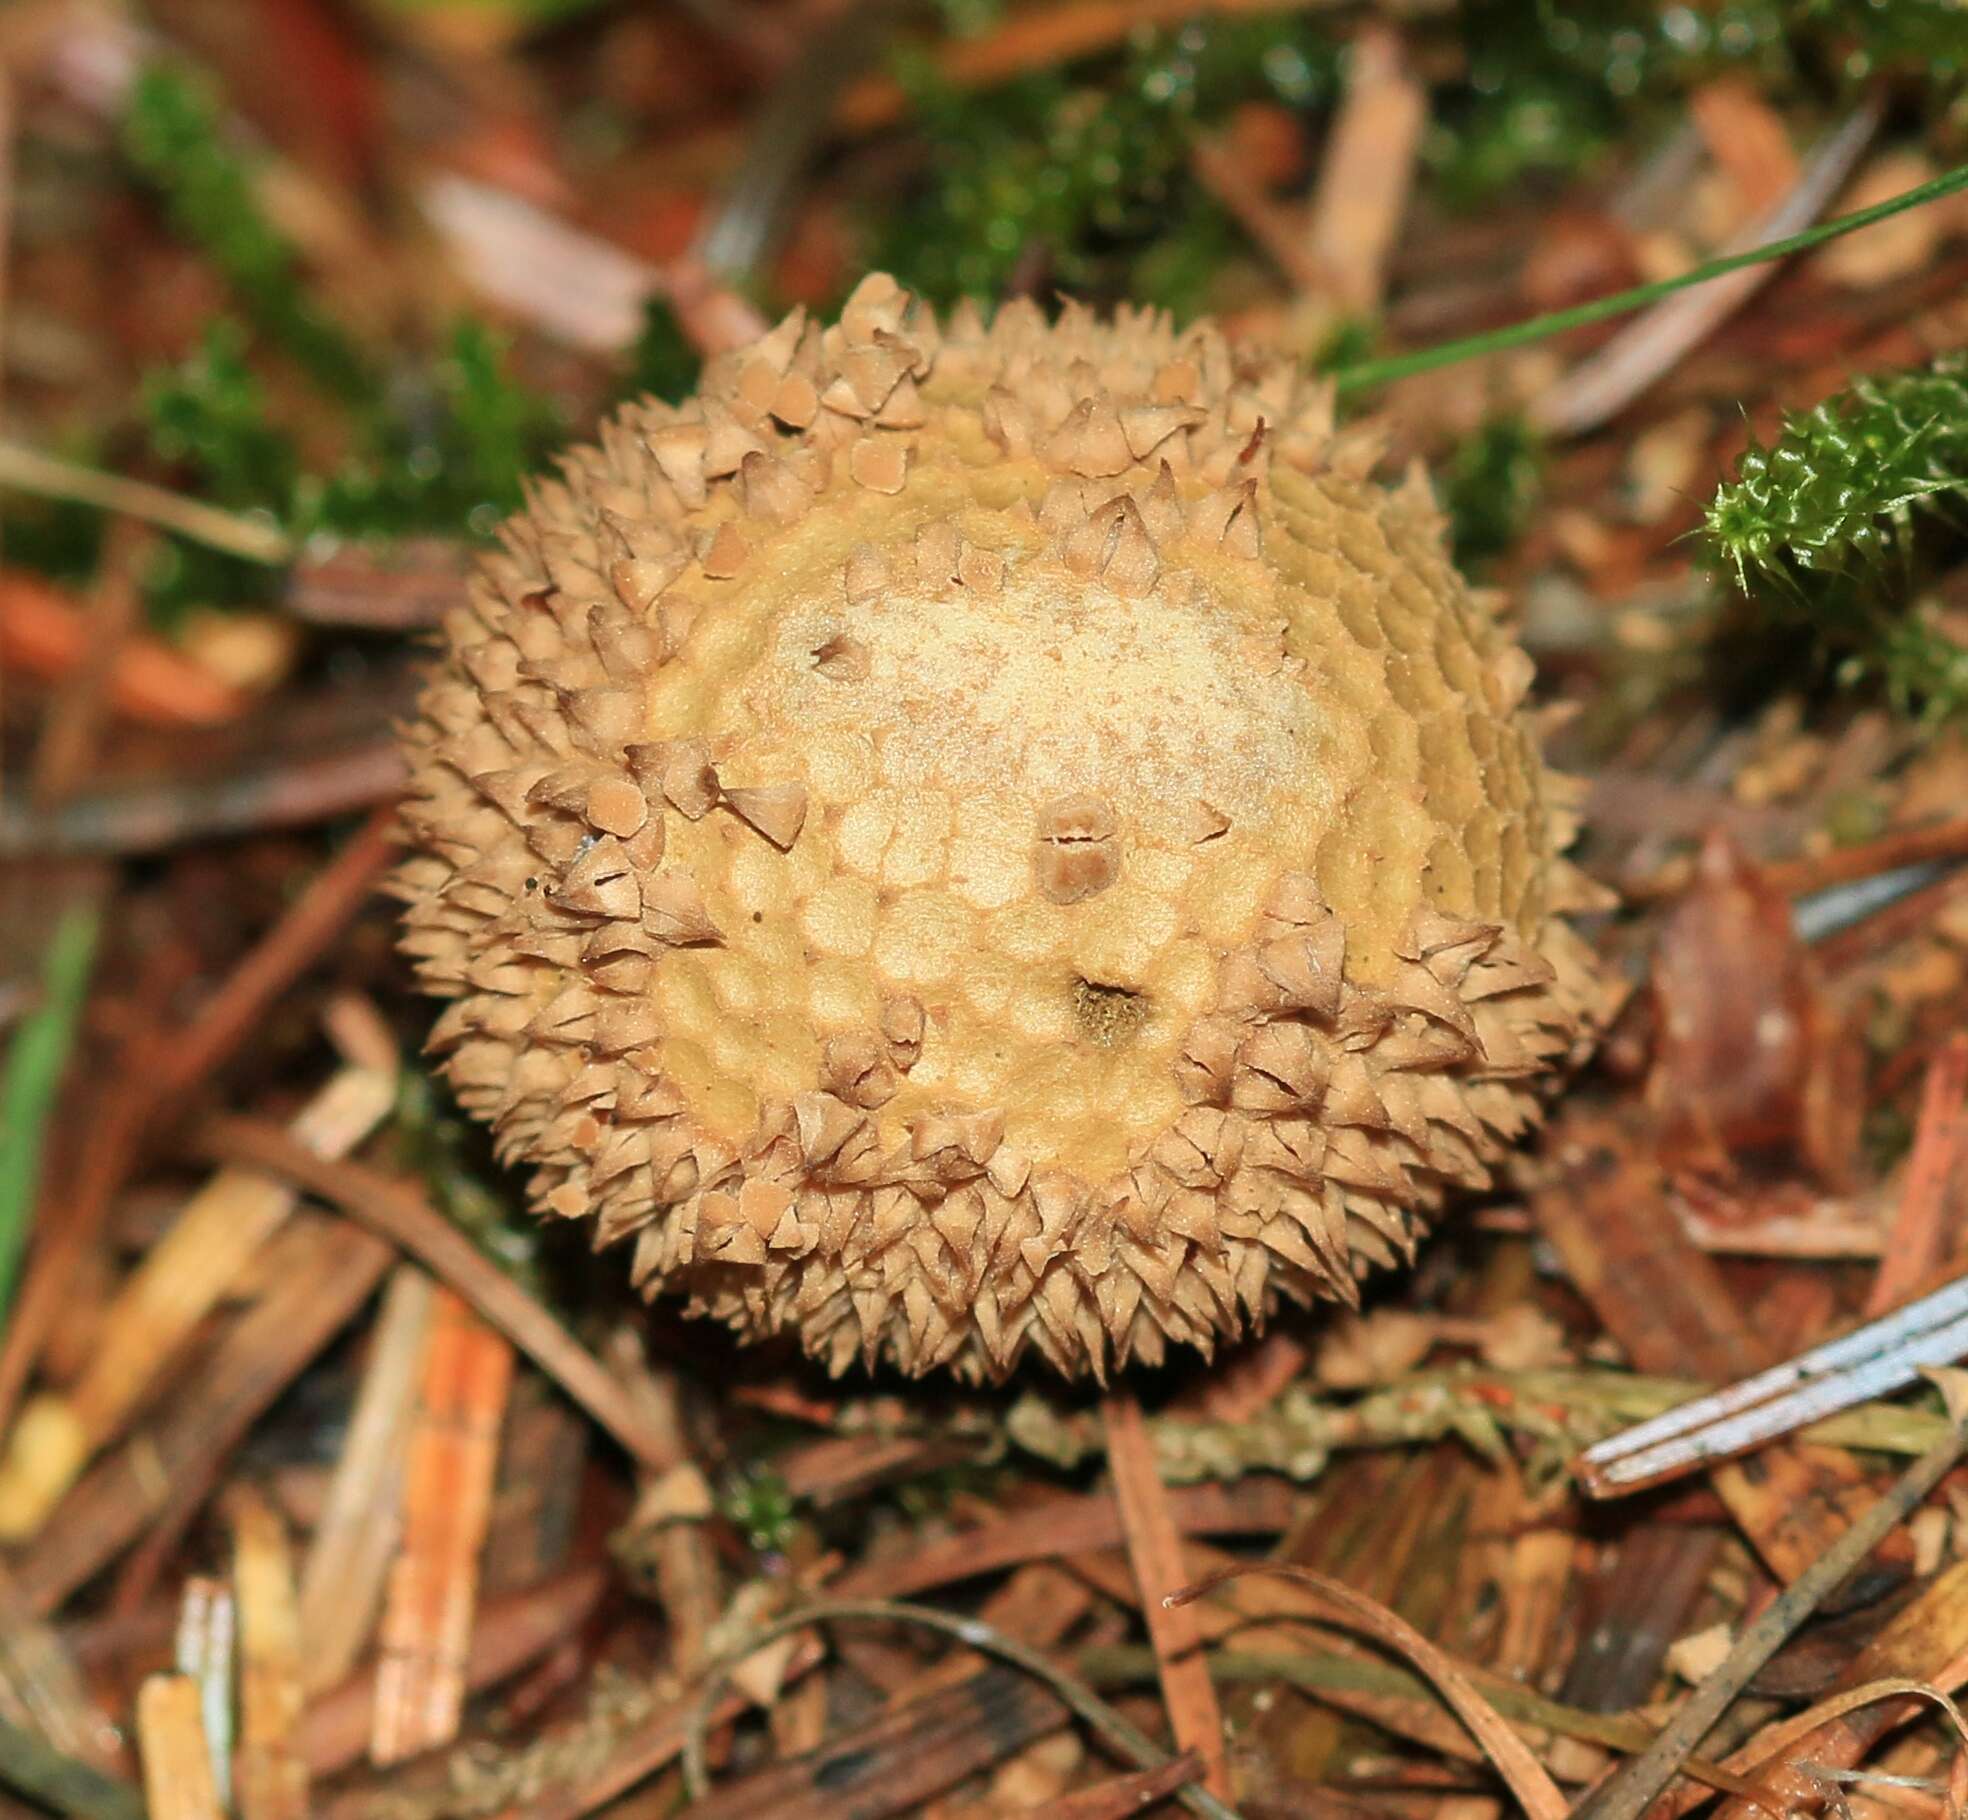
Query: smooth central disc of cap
[[1048, 688]]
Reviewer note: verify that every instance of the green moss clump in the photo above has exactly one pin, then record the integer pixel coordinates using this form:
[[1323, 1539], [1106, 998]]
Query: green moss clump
[[1491, 484], [436, 448], [762, 1509], [662, 364], [1084, 173], [209, 413], [173, 132], [1548, 88], [445, 459], [435, 1142]]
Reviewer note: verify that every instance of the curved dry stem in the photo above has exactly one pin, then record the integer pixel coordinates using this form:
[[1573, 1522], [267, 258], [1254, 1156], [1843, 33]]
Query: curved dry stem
[[48, 477], [1526, 1777]]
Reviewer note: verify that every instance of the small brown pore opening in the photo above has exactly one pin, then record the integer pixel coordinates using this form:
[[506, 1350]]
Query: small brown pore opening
[[1108, 1016]]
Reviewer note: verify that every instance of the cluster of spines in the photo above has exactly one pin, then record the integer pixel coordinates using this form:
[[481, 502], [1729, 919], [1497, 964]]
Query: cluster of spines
[[1321, 1118]]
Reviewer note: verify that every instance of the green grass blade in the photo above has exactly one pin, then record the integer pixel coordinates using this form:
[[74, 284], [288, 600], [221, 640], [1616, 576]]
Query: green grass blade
[[1556, 322], [33, 1073]]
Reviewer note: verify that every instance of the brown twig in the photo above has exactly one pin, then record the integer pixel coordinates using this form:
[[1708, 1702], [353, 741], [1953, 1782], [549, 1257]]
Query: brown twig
[[397, 1211], [1066, 1526], [1924, 845], [1859, 943], [1121, 1796], [1040, 38], [400, 587], [1527, 1778], [910, 1752], [149, 818], [649, 1747], [1787, 1759], [1155, 1549], [307, 928], [1111, 1725], [157, 1070]]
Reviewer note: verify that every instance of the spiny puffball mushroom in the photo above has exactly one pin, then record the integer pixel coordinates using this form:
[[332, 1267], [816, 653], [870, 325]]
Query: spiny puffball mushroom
[[961, 839]]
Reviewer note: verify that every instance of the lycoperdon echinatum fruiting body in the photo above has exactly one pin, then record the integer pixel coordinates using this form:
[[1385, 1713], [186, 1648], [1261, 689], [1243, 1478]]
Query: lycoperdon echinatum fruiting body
[[960, 839]]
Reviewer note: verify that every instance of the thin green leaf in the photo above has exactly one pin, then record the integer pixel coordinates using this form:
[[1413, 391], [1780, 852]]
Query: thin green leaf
[[34, 1070], [1555, 322]]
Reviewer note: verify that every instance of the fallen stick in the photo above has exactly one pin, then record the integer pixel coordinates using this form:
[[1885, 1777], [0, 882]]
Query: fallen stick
[[391, 1207], [1155, 1551], [150, 818], [1603, 385]]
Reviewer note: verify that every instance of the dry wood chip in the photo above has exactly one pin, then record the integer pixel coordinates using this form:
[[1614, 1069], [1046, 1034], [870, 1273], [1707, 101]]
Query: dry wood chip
[[1362, 196], [447, 1504], [207, 1623], [271, 1773], [177, 1766], [349, 1553], [510, 1633]]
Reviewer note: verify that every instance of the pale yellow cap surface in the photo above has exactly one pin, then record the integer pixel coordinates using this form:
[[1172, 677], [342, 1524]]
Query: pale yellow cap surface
[[963, 839]]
